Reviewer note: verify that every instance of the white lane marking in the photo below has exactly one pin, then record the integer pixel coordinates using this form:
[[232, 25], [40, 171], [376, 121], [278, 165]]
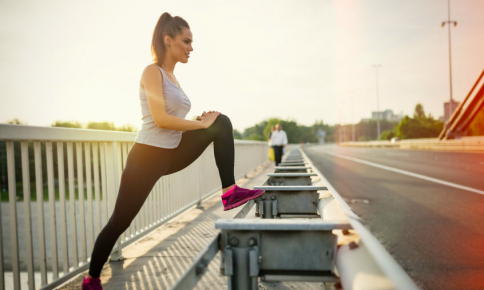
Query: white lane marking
[[408, 173]]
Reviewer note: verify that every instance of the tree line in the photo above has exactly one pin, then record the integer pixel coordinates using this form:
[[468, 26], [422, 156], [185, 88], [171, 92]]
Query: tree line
[[419, 125]]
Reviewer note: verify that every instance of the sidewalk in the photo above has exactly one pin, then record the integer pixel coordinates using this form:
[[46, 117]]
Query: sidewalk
[[159, 259]]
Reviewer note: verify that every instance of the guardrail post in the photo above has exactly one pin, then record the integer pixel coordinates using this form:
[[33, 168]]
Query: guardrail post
[[238, 267]]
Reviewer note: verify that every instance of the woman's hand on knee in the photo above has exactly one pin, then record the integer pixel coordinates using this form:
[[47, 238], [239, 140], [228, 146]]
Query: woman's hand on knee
[[207, 119], [199, 118]]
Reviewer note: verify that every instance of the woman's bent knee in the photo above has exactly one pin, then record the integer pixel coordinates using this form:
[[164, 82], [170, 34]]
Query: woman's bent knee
[[223, 120]]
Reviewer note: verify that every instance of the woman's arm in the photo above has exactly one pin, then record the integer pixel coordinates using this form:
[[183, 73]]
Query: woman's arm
[[152, 80]]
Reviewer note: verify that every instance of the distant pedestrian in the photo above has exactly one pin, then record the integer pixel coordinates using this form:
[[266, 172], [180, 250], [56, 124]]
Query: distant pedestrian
[[278, 142], [273, 128], [270, 154]]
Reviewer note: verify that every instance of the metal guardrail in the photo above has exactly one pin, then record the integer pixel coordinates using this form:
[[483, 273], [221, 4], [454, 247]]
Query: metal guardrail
[[287, 243], [57, 237], [473, 144]]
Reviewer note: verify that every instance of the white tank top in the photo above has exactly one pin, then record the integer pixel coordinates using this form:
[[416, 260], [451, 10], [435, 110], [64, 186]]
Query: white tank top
[[176, 104]]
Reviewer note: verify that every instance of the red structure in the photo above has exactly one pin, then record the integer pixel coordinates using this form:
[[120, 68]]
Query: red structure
[[462, 117]]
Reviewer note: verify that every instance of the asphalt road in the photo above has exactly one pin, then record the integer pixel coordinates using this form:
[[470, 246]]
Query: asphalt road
[[425, 207]]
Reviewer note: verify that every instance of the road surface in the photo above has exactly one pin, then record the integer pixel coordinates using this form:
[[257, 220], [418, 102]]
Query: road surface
[[425, 207]]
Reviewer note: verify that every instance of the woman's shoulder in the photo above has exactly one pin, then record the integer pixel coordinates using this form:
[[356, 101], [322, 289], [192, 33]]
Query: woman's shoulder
[[151, 68], [152, 72]]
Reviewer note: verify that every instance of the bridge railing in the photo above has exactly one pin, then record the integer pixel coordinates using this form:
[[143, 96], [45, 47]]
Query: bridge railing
[[469, 143], [59, 187]]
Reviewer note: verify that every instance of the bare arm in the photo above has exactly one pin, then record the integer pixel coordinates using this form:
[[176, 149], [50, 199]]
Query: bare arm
[[152, 80]]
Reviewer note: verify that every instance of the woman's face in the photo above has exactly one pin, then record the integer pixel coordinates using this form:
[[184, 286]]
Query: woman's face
[[181, 46]]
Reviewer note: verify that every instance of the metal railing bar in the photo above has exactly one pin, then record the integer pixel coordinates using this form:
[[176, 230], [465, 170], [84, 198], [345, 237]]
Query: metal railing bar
[[72, 203], [104, 186], [62, 201], [53, 216], [97, 189], [112, 188], [2, 270], [28, 213], [12, 198], [40, 212], [90, 212], [80, 190]]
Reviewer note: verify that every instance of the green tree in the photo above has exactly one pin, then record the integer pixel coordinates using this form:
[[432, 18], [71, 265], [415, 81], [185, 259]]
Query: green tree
[[419, 112], [258, 129], [368, 129], [127, 128], [387, 135], [67, 124], [256, 137], [16, 122], [421, 126], [237, 134], [101, 126], [295, 133]]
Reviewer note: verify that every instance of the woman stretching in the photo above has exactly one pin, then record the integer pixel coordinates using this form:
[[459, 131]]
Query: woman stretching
[[166, 142]]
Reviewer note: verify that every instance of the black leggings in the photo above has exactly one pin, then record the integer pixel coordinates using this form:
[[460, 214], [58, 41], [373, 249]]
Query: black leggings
[[146, 164]]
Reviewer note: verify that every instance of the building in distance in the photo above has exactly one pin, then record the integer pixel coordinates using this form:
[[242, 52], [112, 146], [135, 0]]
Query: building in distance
[[387, 115], [447, 114]]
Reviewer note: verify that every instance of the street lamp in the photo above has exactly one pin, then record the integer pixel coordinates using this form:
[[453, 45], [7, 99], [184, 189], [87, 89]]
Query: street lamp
[[449, 22], [352, 118], [376, 66]]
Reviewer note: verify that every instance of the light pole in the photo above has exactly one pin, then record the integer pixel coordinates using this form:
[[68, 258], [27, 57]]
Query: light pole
[[376, 66], [340, 131], [352, 118], [449, 22]]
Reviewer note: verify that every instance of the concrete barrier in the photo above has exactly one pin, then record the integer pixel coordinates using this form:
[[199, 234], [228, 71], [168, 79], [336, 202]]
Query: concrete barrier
[[468, 144]]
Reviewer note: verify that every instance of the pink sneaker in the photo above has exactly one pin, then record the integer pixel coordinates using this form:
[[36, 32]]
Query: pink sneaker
[[237, 196], [92, 284]]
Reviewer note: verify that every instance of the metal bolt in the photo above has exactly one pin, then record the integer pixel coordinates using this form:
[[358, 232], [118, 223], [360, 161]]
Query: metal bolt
[[353, 245], [252, 242], [263, 197], [234, 241], [200, 268]]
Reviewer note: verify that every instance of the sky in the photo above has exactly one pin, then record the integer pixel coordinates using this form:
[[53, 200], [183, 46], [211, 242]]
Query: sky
[[302, 60]]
